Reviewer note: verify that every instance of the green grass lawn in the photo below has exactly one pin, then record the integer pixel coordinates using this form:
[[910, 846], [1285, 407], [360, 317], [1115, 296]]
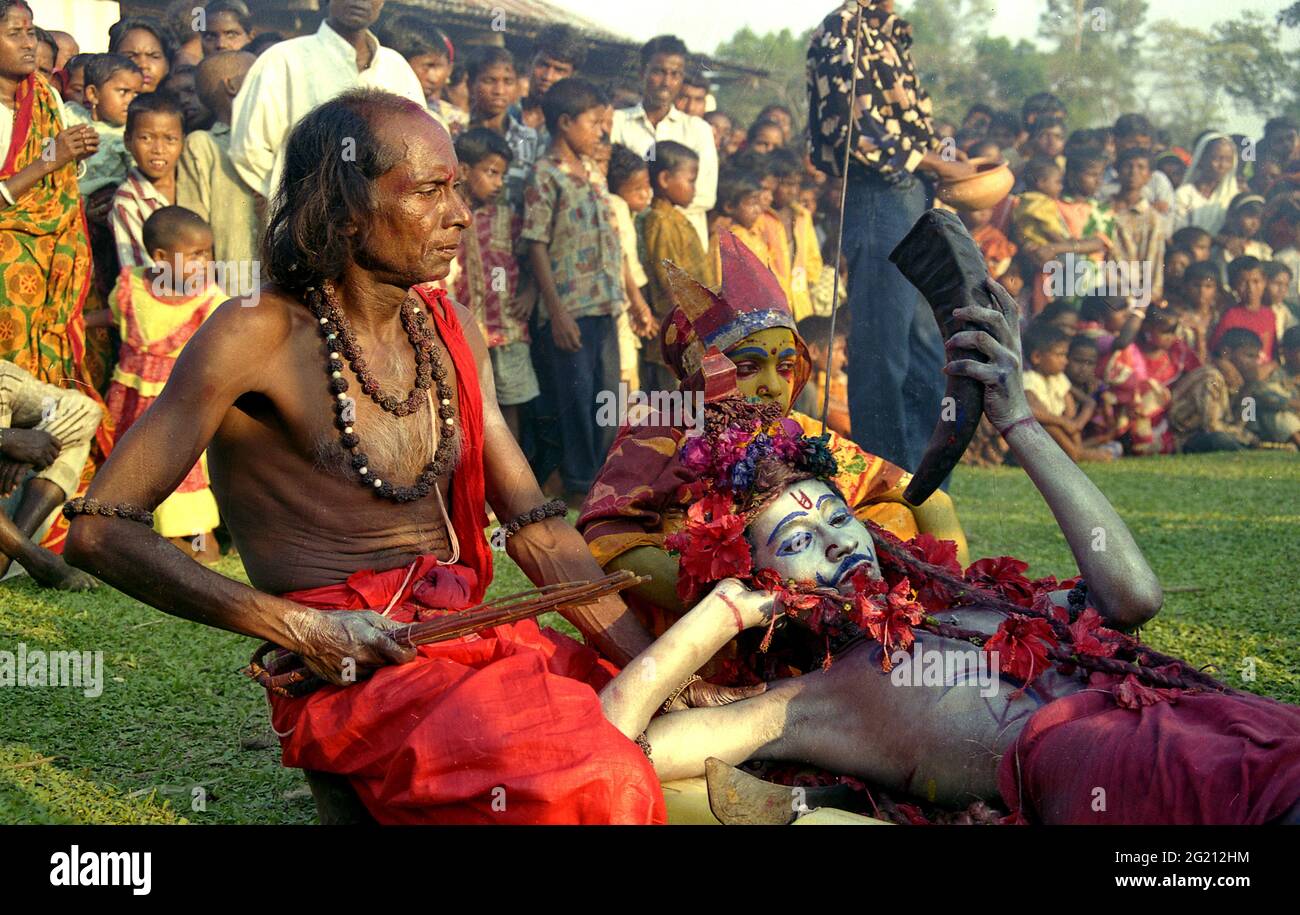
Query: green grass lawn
[[1222, 532]]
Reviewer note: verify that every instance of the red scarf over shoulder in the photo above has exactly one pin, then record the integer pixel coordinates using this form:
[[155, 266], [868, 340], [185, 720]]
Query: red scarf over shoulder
[[468, 516]]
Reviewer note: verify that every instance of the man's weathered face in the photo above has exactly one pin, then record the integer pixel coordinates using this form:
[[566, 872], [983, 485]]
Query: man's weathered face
[[416, 226], [663, 80], [354, 15], [808, 534]]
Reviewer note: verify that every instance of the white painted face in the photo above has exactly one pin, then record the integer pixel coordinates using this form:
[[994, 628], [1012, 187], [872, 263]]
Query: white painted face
[[808, 534]]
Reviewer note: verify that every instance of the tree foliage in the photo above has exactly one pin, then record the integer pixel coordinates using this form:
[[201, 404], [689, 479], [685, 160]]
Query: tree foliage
[[783, 55], [1254, 69]]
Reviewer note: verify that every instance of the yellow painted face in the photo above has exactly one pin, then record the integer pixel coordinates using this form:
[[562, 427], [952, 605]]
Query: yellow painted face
[[767, 364]]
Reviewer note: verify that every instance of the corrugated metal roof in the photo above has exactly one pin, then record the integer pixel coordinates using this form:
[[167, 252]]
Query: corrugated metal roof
[[534, 12]]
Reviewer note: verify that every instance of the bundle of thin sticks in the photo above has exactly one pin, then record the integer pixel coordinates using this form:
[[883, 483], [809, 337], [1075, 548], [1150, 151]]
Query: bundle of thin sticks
[[284, 673]]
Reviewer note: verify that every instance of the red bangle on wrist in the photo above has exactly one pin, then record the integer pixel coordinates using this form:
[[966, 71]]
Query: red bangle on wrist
[[1006, 430]]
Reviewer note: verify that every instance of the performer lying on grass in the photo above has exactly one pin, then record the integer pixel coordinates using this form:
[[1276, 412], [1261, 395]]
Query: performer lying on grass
[[635, 502], [344, 492], [1087, 725]]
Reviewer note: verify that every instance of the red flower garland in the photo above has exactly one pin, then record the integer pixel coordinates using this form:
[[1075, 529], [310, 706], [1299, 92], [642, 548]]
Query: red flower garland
[[712, 546], [1022, 644], [1004, 576], [889, 619]]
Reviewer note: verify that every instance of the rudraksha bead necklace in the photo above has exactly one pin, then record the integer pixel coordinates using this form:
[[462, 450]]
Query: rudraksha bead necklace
[[341, 342], [325, 305]]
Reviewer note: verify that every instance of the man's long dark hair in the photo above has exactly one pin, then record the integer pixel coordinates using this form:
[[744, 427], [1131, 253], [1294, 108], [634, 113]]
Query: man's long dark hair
[[331, 163]]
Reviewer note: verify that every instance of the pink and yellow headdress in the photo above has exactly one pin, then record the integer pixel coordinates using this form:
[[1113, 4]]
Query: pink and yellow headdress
[[748, 300]]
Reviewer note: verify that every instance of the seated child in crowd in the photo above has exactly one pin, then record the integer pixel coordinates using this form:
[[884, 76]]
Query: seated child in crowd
[[1240, 233], [1248, 284], [1200, 300], [207, 182], [1138, 380], [1108, 322], [630, 195], [1044, 233], [488, 281], [1048, 391], [1081, 367], [1270, 405], [1207, 412], [1289, 377], [1195, 241], [1278, 280], [1282, 232], [154, 136], [1062, 315], [156, 310], [667, 234]]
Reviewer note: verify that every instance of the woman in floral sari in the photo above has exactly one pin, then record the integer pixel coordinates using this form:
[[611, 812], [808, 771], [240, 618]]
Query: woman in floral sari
[[45, 260]]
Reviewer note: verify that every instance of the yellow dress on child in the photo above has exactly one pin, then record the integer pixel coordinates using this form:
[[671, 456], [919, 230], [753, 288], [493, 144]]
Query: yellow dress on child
[[153, 334]]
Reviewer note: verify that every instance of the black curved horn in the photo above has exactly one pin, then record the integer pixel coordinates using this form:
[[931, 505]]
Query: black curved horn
[[940, 259]]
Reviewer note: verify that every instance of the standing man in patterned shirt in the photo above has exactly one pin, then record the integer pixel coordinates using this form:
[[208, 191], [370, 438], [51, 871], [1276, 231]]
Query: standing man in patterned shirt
[[895, 351]]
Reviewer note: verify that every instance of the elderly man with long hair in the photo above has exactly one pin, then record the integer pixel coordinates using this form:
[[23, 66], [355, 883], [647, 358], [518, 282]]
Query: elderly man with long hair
[[347, 487]]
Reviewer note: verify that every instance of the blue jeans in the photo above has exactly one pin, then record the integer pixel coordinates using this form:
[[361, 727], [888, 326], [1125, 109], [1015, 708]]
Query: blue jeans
[[571, 384], [895, 352]]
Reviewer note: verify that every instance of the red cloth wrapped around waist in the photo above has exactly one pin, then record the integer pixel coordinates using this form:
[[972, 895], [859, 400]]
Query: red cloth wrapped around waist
[[1201, 758], [420, 584], [500, 727]]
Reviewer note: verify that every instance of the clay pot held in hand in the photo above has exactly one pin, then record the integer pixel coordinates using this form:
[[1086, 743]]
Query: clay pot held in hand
[[982, 190]]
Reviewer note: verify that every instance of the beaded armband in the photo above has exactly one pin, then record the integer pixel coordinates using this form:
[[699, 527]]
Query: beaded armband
[[553, 509], [76, 507]]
